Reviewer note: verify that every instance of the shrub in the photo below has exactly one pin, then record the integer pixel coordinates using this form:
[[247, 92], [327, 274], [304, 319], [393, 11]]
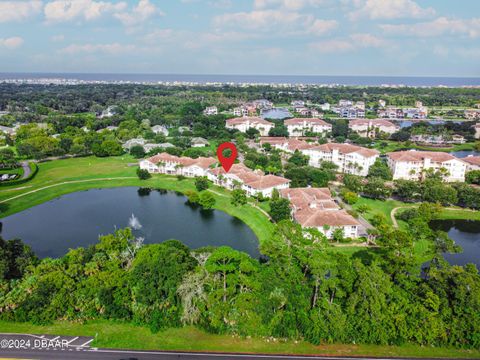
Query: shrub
[[143, 174], [207, 201], [201, 183], [181, 177], [192, 196]]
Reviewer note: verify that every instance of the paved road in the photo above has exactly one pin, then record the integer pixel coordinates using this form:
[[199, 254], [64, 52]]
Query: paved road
[[51, 347], [26, 169]]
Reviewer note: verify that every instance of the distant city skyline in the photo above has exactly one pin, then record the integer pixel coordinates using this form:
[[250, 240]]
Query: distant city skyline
[[248, 37]]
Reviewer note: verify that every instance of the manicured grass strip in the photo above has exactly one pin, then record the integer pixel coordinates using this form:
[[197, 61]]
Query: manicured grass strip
[[109, 334]]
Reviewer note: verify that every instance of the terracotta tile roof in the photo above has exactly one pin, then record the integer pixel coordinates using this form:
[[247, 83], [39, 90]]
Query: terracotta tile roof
[[374, 122], [413, 155], [266, 182], [272, 140], [294, 144], [253, 120], [202, 162], [472, 160], [315, 198], [346, 149], [312, 121], [320, 218]]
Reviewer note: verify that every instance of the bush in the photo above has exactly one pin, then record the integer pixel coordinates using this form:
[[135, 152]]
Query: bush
[[143, 174], [33, 171], [353, 213], [201, 183], [350, 197], [207, 201], [137, 151], [363, 208], [192, 196], [181, 177], [280, 209], [239, 197]]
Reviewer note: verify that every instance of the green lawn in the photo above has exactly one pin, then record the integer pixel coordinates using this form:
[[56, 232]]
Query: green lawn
[[378, 206], [113, 172], [111, 334], [395, 145]]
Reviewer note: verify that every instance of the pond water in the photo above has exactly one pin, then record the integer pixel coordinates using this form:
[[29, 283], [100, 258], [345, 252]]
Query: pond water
[[466, 233], [77, 219], [464, 153], [276, 113], [408, 123]]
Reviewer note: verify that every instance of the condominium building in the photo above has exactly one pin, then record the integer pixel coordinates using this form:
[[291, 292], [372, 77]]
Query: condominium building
[[412, 165], [253, 182], [164, 163], [300, 126], [372, 128], [350, 159], [315, 208], [473, 162], [242, 124]]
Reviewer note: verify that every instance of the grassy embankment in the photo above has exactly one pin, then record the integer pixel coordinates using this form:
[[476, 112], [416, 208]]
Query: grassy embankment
[[111, 334], [56, 178]]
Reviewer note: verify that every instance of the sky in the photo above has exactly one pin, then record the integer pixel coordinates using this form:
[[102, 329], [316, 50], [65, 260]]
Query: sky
[[268, 37]]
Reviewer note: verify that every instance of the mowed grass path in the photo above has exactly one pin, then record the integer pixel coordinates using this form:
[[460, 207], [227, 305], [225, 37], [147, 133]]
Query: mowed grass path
[[110, 334], [60, 177]]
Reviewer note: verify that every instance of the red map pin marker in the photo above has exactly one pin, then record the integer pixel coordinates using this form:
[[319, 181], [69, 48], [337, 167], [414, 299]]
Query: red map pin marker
[[227, 162]]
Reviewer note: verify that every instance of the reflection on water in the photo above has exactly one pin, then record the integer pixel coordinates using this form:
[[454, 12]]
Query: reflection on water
[[466, 233], [77, 219]]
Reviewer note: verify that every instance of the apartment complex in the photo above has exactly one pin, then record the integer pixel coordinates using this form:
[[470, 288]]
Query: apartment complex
[[287, 145], [372, 128], [242, 124], [253, 182], [350, 159], [473, 162], [164, 163], [301, 126], [315, 208], [412, 165]]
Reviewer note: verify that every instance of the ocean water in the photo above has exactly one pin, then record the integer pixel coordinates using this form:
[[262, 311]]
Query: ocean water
[[261, 79]]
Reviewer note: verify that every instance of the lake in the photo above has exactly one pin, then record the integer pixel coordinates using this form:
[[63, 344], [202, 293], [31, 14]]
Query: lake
[[276, 113], [466, 233], [464, 153], [76, 220]]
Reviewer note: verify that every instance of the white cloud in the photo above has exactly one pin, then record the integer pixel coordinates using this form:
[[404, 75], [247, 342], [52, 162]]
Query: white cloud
[[12, 42], [354, 42], [111, 49], [287, 4], [57, 38], [438, 27], [19, 10], [389, 9], [272, 21], [68, 10], [320, 27], [140, 13], [367, 40], [332, 46]]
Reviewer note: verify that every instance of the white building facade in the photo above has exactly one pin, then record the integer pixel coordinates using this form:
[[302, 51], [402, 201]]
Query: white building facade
[[412, 165]]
